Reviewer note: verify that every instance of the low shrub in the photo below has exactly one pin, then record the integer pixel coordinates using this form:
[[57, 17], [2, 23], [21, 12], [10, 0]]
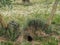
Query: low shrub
[[38, 24], [6, 43], [13, 31]]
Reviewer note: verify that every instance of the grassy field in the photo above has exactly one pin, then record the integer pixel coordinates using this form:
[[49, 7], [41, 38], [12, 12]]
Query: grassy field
[[37, 9]]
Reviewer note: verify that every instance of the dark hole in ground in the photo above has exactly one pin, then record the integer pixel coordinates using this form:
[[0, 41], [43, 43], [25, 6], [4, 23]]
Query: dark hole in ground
[[29, 38]]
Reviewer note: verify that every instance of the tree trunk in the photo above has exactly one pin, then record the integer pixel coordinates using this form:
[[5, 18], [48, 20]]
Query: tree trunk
[[2, 21], [54, 7], [25, 1]]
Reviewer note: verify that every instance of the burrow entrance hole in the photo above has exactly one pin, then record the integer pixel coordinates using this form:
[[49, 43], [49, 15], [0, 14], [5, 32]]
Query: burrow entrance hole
[[29, 38]]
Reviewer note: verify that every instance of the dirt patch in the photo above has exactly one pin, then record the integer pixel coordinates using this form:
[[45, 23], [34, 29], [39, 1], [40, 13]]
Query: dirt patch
[[2, 39]]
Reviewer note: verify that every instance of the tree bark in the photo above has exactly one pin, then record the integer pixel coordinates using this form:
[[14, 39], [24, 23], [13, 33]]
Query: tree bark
[[54, 7], [25, 1], [2, 21]]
